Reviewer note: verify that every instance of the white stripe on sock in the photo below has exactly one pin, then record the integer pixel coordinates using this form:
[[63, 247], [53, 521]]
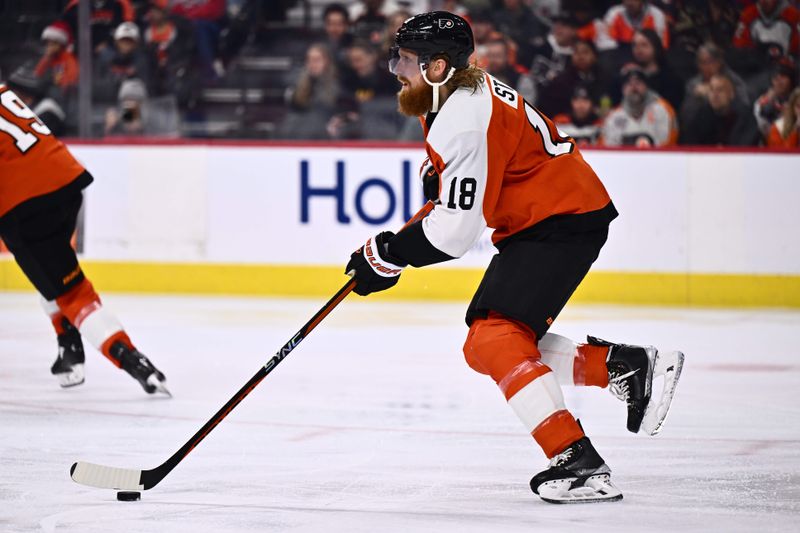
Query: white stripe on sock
[[50, 306], [537, 400], [98, 326], [559, 354]]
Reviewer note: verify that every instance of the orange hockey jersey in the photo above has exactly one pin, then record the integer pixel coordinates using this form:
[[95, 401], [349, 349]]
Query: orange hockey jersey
[[504, 165], [32, 161], [782, 28], [621, 28]]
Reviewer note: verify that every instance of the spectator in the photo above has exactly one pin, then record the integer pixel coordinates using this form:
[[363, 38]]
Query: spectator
[[648, 53], [33, 92], [590, 26], [367, 78], [550, 59], [722, 119], [368, 25], [104, 17], [710, 61], [135, 115], [700, 21], [393, 23], [516, 20], [484, 31], [452, 6], [366, 83], [338, 35], [785, 132], [58, 68], [207, 17], [127, 61], [622, 20], [554, 98], [584, 11], [769, 106], [696, 22], [495, 61], [127, 118], [769, 22], [169, 40], [312, 99], [582, 122], [644, 119], [547, 10], [358, 8]]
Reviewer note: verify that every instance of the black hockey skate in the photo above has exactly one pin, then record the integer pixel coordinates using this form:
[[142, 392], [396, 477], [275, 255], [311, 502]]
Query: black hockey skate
[[140, 368], [68, 366], [634, 376], [630, 377], [576, 475]]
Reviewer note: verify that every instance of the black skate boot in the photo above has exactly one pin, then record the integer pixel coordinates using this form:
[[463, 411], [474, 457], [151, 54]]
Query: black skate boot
[[68, 367], [576, 475], [140, 368], [630, 377]]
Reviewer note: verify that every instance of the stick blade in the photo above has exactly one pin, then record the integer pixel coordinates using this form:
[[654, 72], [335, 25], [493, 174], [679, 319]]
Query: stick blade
[[106, 477]]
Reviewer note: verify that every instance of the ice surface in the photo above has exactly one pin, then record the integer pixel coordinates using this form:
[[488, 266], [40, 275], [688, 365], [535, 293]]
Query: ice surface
[[375, 423]]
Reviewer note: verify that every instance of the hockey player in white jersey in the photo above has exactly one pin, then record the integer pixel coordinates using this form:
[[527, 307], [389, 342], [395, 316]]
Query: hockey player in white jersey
[[494, 160]]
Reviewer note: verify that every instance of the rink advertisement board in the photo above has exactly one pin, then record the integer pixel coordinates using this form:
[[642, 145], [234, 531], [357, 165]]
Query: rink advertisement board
[[254, 205], [694, 227]]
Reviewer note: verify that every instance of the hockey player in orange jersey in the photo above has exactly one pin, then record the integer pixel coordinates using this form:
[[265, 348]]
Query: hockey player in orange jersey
[[494, 160], [40, 195]]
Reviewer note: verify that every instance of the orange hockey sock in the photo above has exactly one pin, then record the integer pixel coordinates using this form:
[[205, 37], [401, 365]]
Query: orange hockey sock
[[590, 366], [58, 322], [556, 432], [79, 302], [106, 347], [82, 307], [506, 350]]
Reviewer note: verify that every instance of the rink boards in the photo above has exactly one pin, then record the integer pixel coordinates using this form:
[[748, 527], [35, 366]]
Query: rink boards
[[695, 228]]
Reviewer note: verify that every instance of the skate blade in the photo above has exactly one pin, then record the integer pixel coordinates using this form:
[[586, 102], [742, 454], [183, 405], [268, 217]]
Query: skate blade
[[669, 366], [596, 489], [72, 378], [160, 386]]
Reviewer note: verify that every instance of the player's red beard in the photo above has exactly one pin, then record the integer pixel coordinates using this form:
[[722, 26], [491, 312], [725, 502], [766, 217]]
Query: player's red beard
[[415, 101]]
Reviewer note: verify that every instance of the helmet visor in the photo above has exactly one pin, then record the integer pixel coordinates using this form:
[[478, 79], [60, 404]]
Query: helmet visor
[[394, 58], [400, 64]]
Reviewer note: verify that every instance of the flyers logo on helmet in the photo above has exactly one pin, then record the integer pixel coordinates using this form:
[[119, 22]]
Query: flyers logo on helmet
[[446, 24]]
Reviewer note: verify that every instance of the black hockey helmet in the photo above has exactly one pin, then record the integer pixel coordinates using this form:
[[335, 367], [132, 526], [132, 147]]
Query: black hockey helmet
[[437, 33]]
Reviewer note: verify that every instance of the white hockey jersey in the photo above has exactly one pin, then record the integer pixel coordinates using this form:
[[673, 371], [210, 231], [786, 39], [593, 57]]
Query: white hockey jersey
[[504, 165]]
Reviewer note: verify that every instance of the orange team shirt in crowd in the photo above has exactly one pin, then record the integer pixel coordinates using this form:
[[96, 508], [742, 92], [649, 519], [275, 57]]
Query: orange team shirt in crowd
[[32, 161], [161, 37], [620, 28], [504, 165], [64, 68], [776, 140], [105, 12], [782, 28]]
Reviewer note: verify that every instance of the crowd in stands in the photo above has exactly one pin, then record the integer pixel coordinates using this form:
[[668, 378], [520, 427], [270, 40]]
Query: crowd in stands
[[642, 73], [148, 59]]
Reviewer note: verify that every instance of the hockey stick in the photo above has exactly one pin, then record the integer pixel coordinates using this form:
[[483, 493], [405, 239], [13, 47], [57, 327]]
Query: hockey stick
[[109, 477]]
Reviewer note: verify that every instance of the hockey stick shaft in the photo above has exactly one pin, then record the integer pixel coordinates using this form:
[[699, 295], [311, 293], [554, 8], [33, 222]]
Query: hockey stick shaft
[[119, 478], [126, 479], [248, 387]]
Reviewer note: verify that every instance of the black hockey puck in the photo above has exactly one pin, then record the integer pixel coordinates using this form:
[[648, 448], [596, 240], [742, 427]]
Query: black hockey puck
[[129, 496]]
